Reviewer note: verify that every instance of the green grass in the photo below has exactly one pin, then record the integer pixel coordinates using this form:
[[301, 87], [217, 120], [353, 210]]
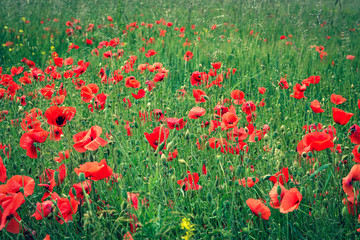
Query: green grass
[[219, 209]]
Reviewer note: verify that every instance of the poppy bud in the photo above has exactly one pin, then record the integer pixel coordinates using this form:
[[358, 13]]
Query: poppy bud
[[187, 134], [56, 176], [170, 145], [73, 190], [282, 128], [309, 154], [136, 124], [266, 137], [160, 147], [82, 177], [245, 230], [344, 211], [302, 191], [163, 158], [21, 189], [256, 138], [209, 197], [266, 177], [182, 161]]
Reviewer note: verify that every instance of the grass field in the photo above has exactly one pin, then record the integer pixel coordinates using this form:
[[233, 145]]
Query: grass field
[[179, 119]]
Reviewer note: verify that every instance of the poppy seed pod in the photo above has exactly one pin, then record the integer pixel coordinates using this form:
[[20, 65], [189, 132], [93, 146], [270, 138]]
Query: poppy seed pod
[[81, 177]]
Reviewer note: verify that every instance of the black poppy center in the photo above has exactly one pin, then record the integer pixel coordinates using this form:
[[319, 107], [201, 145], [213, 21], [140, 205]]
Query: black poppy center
[[60, 120]]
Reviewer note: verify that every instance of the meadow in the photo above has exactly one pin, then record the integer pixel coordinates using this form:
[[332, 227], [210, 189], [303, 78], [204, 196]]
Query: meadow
[[179, 119]]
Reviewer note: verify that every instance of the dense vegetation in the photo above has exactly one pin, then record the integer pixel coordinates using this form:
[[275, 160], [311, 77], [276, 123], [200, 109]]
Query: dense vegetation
[[179, 119]]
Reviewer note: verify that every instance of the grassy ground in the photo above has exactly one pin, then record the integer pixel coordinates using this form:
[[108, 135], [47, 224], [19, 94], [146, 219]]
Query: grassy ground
[[242, 35]]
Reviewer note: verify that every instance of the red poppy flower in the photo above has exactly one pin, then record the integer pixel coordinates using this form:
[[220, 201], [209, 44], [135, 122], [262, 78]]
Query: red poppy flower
[[177, 123], [299, 91], [258, 207], [216, 65], [172, 155], [55, 133], [43, 209], [283, 83], [196, 112], [100, 101], [315, 141], [150, 53], [238, 97], [47, 177], [356, 153], [350, 57], [14, 184], [2, 171], [139, 95], [199, 95], [354, 175], [89, 140], [57, 100], [315, 106], [275, 199], [340, 116], [229, 120], [62, 155], [248, 107], [128, 236], [311, 80], [28, 139], [131, 82], [79, 187], [28, 62], [81, 68], [12, 222], [337, 99], [158, 115], [160, 77], [262, 90], [48, 91], [88, 92], [238, 133], [133, 198], [282, 177], [67, 208], [355, 134], [290, 200], [197, 78], [190, 182], [220, 110], [9, 205], [95, 170], [248, 182], [158, 136], [188, 56], [59, 116]]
